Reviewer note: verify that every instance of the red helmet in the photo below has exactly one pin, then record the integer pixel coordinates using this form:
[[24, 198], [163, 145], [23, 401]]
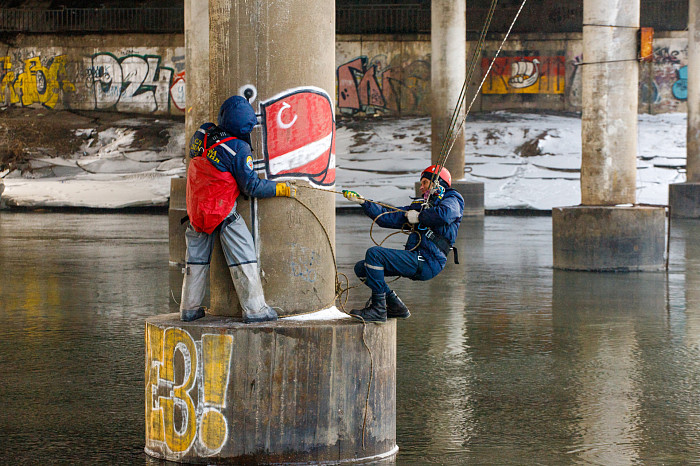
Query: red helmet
[[444, 174]]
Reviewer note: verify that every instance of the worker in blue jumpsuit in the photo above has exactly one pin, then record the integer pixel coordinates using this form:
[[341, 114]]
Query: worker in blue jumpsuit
[[425, 253]]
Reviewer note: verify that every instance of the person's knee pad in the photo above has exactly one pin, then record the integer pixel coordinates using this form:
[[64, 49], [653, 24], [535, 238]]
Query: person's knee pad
[[360, 271]]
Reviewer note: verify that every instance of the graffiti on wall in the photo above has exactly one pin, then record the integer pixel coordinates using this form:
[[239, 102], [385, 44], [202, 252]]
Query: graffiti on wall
[[103, 81], [130, 83], [524, 74], [378, 84], [34, 82], [665, 85], [186, 386]]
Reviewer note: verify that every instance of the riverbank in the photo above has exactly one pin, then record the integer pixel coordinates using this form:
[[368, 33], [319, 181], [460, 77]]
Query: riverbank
[[527, 162]]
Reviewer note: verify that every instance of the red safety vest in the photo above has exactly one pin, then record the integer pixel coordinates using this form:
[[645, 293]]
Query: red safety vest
[[211, 193]]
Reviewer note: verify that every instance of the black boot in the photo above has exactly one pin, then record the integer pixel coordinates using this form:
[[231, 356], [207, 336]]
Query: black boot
[[374, 311], [191, 314], [395, 308]]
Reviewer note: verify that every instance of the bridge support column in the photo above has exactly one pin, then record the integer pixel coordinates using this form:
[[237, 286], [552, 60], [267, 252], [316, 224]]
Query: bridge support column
[[289, 391], [684, 198], [607, 232], [196, 113], [447, 75]]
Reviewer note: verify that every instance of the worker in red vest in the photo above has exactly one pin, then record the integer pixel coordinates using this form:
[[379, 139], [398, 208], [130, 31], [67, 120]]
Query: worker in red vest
[[221, 168]]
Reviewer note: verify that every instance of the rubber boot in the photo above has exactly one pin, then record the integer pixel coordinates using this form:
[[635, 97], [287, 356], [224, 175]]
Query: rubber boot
[[375, 311], [188, 315], [395, 308], [193, 289], [246, 281]]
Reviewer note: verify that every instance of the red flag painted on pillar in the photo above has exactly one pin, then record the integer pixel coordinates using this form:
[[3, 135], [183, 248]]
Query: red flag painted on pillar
[[299, 135]]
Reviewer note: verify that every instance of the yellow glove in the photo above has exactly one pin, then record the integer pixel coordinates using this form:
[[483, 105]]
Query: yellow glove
[[353, 196], [285, 190]]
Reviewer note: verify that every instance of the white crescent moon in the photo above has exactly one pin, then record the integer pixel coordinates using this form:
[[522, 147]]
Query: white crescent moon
[[285, 106]]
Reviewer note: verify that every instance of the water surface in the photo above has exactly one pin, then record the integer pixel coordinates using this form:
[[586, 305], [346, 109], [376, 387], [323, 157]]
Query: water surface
[[504, 360]]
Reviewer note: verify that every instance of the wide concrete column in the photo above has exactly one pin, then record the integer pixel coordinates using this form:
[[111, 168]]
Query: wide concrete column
[[684, 198], [271, 45], [286, 392], [196, 113], [447, 76], [302, 390], [601, 234]]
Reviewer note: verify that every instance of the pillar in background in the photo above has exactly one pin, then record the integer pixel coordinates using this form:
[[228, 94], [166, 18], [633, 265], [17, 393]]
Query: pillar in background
[[275, 47], [610, 98], [196, 113], [602, 234], [447, 76], [684, 198]]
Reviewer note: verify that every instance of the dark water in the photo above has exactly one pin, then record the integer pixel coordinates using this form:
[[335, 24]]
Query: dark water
[[504, 360]]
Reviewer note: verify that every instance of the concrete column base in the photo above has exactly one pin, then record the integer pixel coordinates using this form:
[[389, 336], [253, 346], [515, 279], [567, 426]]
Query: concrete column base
[[176, 211], [608, 239], [285, 392], [684, 200], [473, 194]]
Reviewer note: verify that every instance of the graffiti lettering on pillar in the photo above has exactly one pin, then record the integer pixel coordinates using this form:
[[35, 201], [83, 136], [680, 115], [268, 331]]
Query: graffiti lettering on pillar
[[186, 386], [36, 83], [524, 75], [380, 85], [128, 84]]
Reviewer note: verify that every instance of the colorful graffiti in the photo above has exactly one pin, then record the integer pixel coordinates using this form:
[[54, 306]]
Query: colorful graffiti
[[177, 91], [380, 85], [666, 84], [524, 75], [38, 83], [131, 83], [186, 386]]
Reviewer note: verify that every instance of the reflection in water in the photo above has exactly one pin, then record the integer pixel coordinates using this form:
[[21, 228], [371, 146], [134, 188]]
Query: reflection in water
[[504, 361]]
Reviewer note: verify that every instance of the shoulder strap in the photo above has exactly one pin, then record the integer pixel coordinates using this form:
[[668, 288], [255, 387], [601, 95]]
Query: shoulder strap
[[220, 142]]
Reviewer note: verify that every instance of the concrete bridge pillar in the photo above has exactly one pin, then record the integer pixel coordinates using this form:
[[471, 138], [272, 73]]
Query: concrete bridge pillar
[[608, 232], [448, 74], [196, 113], [684, 198], [310, 391]]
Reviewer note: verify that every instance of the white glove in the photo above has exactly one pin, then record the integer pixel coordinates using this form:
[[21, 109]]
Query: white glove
[[412, 216]]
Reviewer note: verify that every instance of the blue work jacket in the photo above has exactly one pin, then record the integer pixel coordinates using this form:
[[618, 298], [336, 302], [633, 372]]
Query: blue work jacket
[[442, 218]]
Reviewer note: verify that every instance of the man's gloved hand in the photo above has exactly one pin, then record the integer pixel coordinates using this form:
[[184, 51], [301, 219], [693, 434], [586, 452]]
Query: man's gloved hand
[[353, 196], [285, 190], [412, 216]]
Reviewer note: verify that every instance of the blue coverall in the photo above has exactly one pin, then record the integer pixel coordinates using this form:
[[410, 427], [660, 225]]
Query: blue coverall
[[427, 260]]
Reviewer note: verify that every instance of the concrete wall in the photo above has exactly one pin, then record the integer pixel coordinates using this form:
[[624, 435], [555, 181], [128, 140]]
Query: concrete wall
[[391, 74], [124, 73], [375, 74]]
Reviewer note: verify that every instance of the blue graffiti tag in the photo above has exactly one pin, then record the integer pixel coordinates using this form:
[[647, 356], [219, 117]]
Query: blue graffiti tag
[[680, 87]]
